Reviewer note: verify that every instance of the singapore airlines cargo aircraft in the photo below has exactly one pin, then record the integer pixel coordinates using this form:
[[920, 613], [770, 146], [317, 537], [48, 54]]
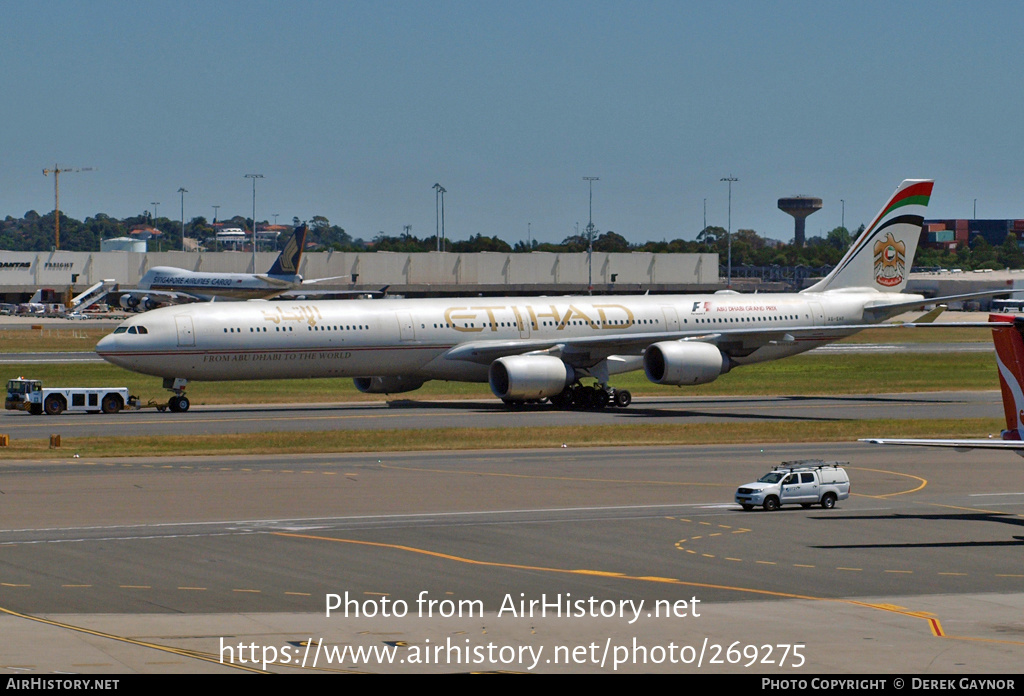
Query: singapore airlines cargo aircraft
[[530, 348], [163, 285], [1009, 342]]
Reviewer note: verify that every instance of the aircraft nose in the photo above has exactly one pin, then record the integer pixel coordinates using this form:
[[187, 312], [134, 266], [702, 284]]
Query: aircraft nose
[[106, 344], [111, 348]]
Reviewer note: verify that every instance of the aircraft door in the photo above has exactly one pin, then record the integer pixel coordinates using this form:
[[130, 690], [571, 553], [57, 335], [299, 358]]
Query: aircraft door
[[406, 329], [522, 322], [671, 318], [186, 332], [817, 314]]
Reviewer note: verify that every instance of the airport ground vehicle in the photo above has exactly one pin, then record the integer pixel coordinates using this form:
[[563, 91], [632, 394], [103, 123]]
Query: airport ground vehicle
[[805, 481], [29, 395]]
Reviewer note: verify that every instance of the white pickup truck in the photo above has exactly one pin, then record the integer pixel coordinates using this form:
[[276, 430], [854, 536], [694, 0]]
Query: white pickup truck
[[807, 482]]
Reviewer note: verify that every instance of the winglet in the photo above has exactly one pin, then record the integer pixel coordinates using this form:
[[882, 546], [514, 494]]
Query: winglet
[[1009, 343], [881, 257], [930, 317]]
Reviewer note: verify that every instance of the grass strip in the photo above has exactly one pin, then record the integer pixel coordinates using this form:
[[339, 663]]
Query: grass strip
[[805, 375], [451, 439]]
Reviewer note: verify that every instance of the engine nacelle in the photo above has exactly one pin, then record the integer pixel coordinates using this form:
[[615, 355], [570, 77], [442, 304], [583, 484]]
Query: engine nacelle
[[675, 362], [387, 385], [522, 377], [128, 301], [149, 303]]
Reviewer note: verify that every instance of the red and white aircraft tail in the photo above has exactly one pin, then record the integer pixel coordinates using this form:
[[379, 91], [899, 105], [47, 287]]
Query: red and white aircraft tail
[[1008, 338], [1009, 341]]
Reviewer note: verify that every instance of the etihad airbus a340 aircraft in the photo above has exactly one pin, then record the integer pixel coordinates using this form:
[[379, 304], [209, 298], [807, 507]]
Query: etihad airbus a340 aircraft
[[530, 348]]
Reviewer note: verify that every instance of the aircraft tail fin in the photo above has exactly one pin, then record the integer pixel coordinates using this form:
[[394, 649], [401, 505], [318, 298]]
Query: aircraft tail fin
[[1009, 342], [287, 263], [881, 257]]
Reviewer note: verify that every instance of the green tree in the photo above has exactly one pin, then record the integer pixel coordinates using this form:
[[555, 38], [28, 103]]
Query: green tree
[[611, 242], [839, 238], [1009, 254], [981, 252]]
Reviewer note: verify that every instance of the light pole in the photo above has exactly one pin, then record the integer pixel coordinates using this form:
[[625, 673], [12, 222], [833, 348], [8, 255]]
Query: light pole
[[216, 241], [975, 209], [183, 191], [728, 234], [254, 177], [439, 192], [843, 218], [443, 236], [154, 204], [590, 236]]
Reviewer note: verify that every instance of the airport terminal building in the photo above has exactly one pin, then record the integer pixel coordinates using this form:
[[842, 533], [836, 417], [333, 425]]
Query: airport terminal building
[[409, 274]]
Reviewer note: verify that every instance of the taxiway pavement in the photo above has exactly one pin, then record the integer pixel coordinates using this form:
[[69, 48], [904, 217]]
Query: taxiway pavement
[[154, 565], [401, 414]]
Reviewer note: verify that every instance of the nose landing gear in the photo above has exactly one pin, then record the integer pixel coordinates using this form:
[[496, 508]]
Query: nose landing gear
[[178, 403]]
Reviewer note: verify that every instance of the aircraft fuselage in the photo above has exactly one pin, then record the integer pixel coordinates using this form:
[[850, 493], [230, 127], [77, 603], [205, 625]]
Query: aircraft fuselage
[[234, 285], [392, 337]]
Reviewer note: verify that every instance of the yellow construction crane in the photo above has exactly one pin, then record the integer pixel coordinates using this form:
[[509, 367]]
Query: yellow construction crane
[[57, 171]]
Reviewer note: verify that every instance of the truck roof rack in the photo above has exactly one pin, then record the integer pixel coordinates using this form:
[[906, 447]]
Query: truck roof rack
[[809, 464]]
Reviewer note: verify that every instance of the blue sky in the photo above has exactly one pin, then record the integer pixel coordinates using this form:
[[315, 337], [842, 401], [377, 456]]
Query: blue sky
[[353, 110]]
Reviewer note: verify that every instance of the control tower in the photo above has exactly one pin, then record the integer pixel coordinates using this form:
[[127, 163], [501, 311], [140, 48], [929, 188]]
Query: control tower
[[799, 207]]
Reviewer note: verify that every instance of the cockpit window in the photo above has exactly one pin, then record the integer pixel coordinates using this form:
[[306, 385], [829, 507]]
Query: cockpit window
[[131, 330], [121, 329], [143, 330]]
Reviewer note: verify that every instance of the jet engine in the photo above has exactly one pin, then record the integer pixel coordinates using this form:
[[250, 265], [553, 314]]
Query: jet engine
[[149, 303], [387, 385], [676, 362], [522, 377], [128, 301]]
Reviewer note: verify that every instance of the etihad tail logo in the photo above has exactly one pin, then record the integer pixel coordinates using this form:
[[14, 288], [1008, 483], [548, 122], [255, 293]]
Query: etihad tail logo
[[890, 267]]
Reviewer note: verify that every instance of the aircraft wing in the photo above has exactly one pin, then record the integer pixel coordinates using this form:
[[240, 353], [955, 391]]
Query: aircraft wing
[[994, 443], [891, 309], [147, 299], [314, 281], [299, 293], [579, 352], [587, 351]]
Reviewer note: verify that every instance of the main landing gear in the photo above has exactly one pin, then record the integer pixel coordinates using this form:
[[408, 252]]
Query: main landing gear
[[178, 403], [591, 398]]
